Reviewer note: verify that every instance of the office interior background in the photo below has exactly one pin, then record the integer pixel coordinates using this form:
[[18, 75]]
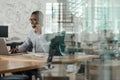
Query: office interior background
[[92, 23], [80, 17]]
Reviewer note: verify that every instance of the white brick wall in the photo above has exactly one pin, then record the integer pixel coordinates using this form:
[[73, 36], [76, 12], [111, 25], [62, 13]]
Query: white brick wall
[[16, 13]]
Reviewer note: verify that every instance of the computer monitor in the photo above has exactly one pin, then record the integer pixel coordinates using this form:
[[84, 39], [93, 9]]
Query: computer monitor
[[3, 31]]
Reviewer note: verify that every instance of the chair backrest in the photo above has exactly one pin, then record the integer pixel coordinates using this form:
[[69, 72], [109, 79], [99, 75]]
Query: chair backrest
[[57, 47]]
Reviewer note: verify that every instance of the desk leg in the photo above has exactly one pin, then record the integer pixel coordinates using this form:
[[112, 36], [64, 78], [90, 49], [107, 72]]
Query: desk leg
[[62, 69], [85, 78], [86, 70]]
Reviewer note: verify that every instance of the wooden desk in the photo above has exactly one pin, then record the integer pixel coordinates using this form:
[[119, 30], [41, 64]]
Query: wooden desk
[[24, 62], [20, 63], [70, 59], [64, 61], [99, 69], [73, 49], [11, 41]]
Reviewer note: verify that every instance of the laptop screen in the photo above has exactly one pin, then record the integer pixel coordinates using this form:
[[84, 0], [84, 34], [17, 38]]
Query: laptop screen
[[3, 31]]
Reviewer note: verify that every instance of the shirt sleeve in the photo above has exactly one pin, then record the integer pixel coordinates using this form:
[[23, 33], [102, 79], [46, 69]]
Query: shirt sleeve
[[45, 44], [26, 45]]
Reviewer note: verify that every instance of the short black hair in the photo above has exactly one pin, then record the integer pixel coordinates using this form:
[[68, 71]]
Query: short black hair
[[38, 13], [35, 12], [41, 16]]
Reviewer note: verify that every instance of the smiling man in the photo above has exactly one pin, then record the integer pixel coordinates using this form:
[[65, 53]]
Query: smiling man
[[35, 40]]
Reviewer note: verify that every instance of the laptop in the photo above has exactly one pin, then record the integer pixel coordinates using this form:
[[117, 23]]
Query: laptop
[[3, 48]]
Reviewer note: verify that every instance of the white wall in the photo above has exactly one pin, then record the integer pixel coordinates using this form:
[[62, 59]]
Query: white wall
[[16, 13]]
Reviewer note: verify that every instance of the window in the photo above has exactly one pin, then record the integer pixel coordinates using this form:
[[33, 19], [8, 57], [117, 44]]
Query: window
[[53, 16]]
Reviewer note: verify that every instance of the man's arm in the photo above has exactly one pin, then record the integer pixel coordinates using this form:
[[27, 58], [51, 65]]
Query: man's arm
[[26, 45]]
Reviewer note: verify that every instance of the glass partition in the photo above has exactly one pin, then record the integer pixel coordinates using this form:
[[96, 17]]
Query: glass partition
[[95, 25]]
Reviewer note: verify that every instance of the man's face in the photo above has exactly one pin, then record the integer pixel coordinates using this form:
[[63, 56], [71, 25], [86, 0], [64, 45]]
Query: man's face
[[34, 19]]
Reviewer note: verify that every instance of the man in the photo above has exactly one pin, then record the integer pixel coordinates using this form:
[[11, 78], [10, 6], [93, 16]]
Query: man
[[36, 40]]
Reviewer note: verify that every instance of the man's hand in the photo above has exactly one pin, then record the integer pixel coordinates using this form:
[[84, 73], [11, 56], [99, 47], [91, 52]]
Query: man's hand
[[14, 50]]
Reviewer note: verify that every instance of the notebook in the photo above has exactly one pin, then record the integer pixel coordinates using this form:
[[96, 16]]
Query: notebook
[[3, 48]]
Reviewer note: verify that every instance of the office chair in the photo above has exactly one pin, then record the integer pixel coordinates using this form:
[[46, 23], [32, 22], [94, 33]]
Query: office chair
[[58, 45], [57, 48], [14, 77]]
